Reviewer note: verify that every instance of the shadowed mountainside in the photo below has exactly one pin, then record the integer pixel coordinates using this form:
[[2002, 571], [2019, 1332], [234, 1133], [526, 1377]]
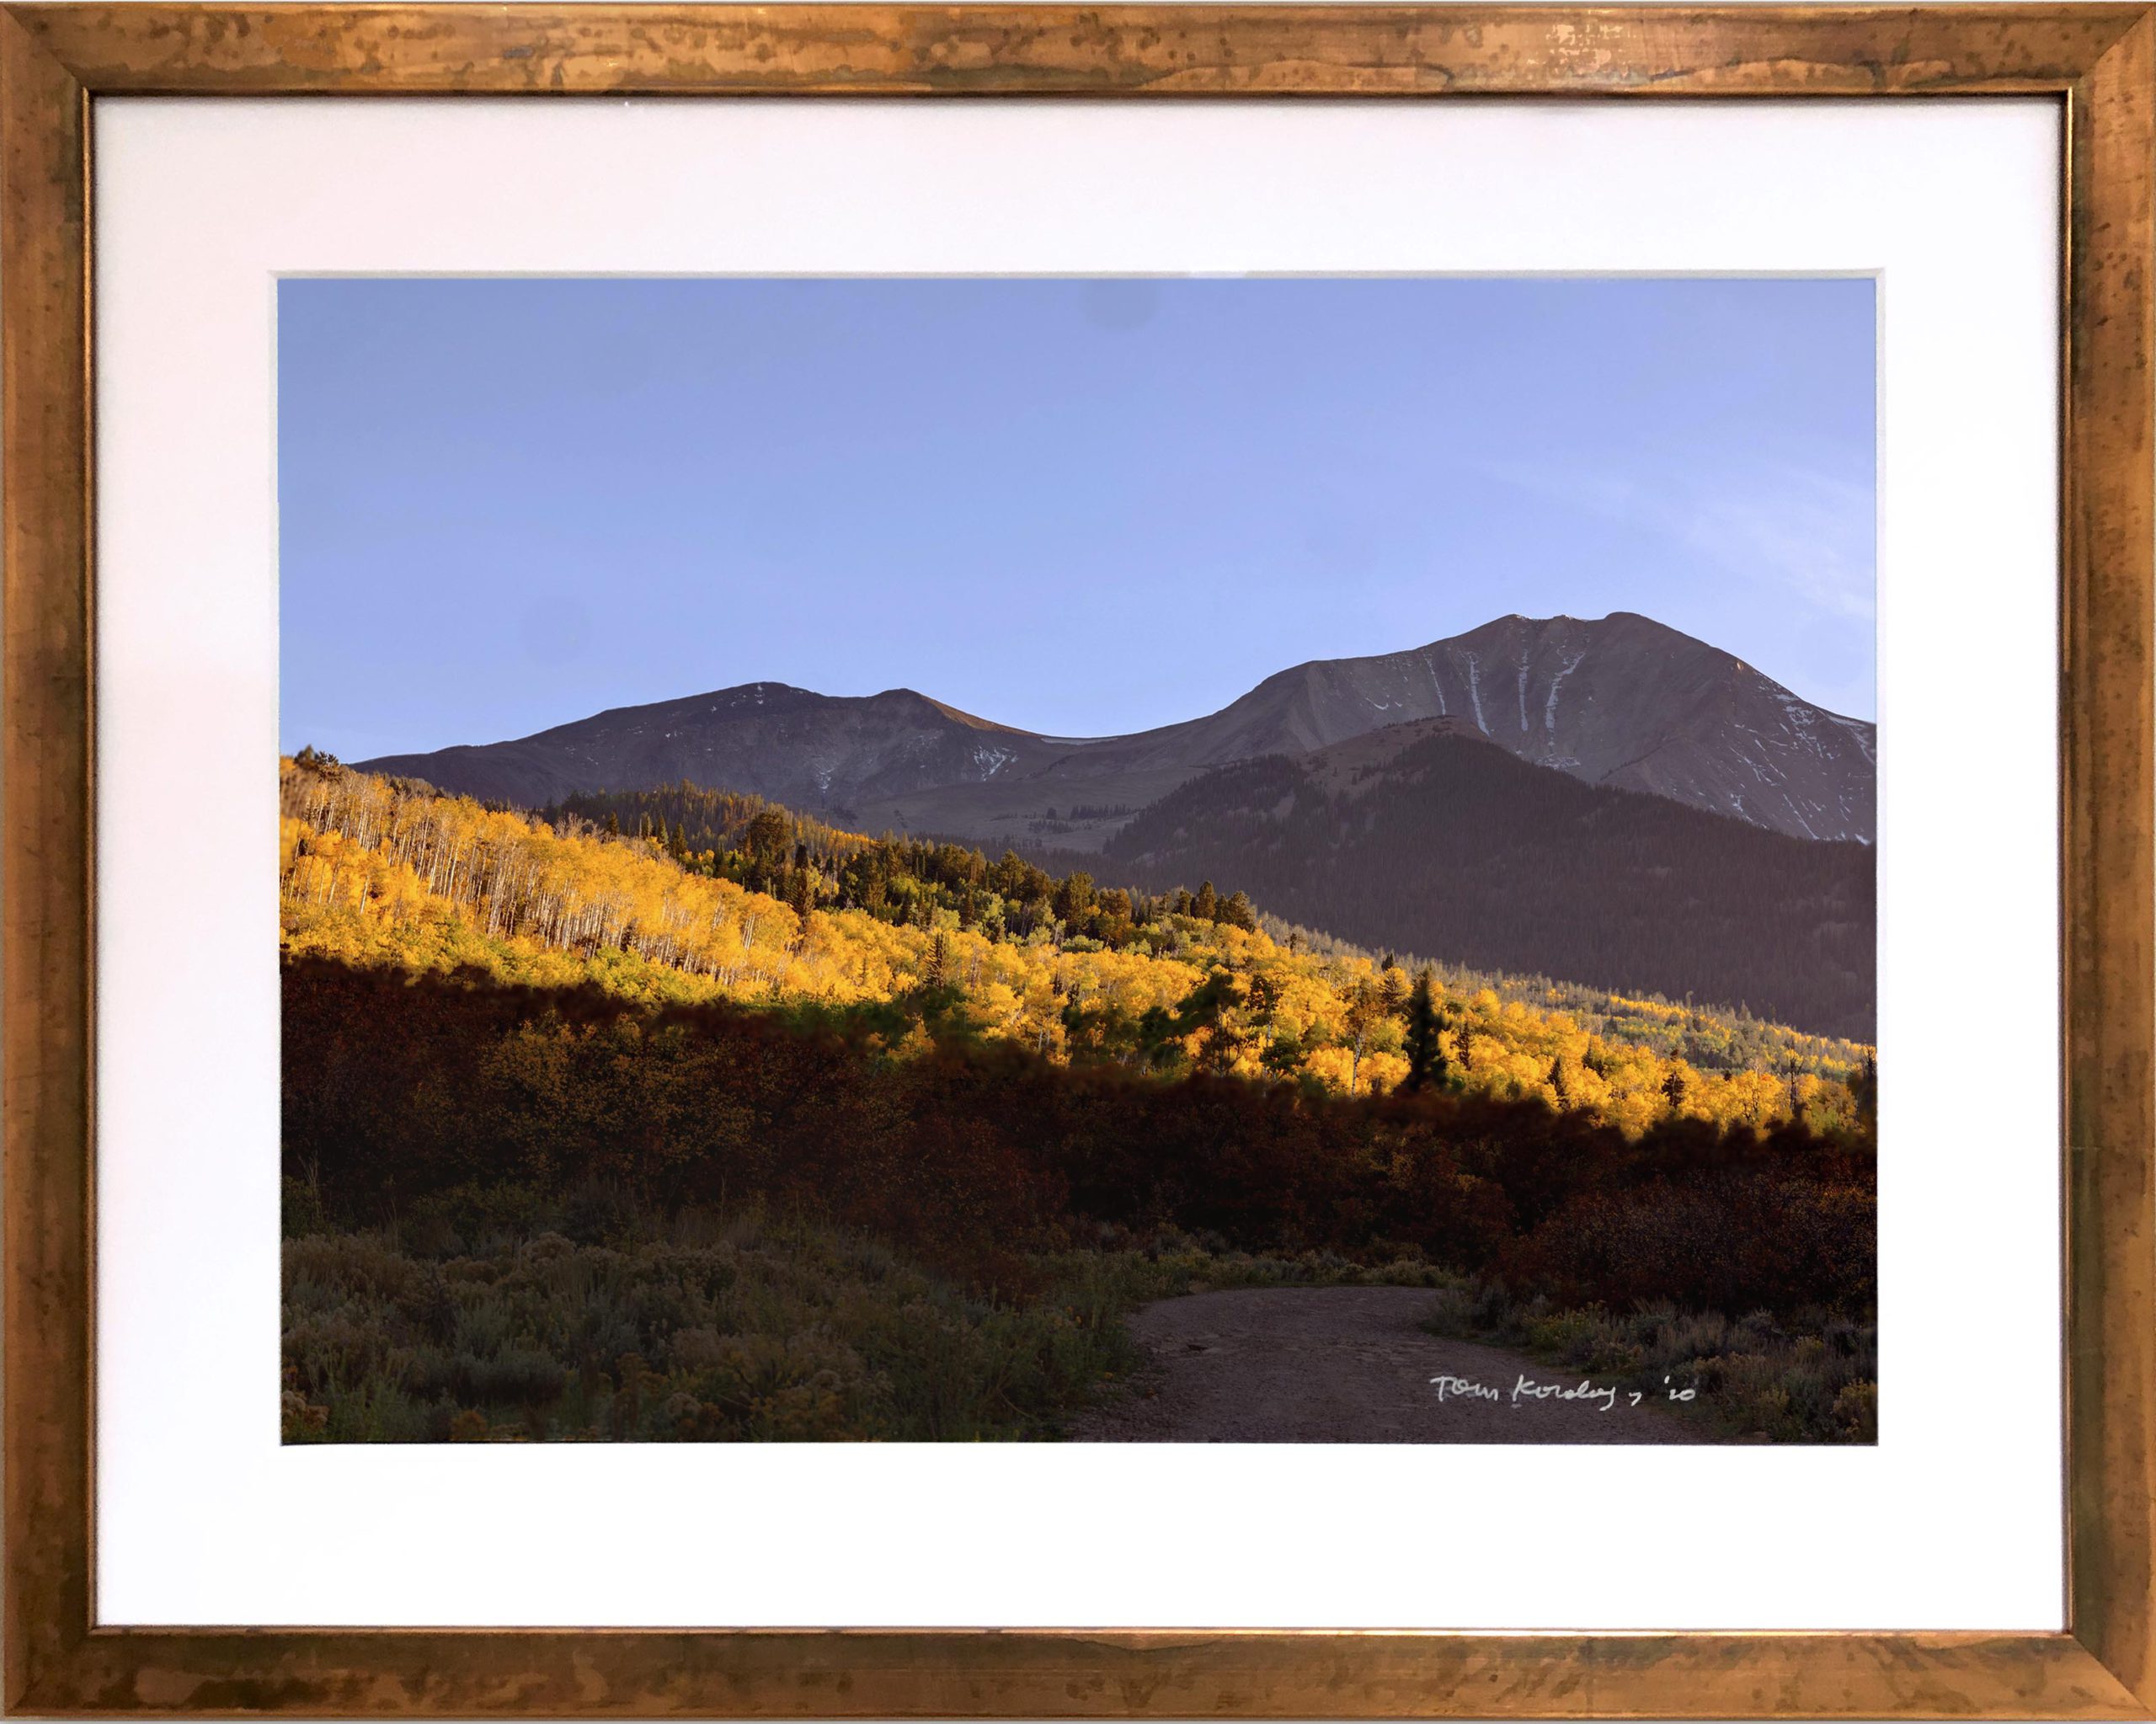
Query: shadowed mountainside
[[1427, 837]]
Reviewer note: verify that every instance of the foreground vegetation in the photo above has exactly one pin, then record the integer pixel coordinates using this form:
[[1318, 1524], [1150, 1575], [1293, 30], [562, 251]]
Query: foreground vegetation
[[687, 1327], [461, 1326]]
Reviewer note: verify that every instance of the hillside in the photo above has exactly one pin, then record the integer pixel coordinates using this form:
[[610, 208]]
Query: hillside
[[926, 943], [1426, 836]]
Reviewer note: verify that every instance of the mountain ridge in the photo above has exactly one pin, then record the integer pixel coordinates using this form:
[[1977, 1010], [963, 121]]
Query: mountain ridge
[[1622, 700]]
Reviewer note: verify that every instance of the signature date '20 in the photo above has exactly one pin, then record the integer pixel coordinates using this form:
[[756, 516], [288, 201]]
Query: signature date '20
[[1527, 1391]]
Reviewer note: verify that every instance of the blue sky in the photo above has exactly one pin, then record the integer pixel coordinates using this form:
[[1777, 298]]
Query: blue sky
[[1080, 507]]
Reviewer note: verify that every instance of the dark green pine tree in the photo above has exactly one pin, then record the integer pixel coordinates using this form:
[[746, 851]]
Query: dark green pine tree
[[1388, 989], [1426, 1068], [1864, 1088]]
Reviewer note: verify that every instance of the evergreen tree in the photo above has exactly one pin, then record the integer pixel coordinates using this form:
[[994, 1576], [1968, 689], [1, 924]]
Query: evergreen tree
[[1427, 1066], [765, 840], [1395, 996], [1074, 900], [1206, 906], [1863, 1089]]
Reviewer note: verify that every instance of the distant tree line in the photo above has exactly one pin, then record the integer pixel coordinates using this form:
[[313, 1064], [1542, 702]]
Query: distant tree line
[[803, 863]]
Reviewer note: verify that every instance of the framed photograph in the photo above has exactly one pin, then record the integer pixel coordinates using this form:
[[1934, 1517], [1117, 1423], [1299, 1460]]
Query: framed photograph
[[1258, 893]]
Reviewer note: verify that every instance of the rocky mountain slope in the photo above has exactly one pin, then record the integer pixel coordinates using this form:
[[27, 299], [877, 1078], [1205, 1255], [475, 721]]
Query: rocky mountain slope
[[1622, 700]]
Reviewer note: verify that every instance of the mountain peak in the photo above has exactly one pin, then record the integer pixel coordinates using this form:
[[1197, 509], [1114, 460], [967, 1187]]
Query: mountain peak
[[1621, 700]]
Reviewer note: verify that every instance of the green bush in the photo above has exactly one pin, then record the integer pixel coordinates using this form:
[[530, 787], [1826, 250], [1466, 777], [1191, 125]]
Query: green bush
[[687, 1327]]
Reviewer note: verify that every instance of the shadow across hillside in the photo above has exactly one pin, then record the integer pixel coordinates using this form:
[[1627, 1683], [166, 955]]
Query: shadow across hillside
[[967, 1156]]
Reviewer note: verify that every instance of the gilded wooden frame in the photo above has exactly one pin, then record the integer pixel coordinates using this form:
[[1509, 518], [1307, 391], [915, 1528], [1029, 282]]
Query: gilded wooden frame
[[2098, 59]]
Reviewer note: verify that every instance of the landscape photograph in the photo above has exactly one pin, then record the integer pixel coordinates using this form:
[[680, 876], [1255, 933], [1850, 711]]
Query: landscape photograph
[[1126, 859]]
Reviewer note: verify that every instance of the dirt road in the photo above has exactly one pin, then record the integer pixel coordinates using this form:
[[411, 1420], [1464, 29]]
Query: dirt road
[[1349, 1364]]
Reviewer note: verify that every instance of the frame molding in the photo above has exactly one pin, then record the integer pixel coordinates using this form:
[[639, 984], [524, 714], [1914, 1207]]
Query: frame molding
[[2099, 59]]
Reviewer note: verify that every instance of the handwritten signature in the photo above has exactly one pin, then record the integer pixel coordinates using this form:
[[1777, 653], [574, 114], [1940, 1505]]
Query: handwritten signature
[[1527, 1389]]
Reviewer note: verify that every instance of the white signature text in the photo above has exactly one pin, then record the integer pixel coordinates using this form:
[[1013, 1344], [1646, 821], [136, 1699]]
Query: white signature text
[[1527, 1389]]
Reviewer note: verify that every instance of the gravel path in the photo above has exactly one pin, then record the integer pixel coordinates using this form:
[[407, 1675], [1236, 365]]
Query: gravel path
[[1345, 1365]]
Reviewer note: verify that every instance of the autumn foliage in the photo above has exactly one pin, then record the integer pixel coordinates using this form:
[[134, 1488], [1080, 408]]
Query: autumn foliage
[[939, 946]]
